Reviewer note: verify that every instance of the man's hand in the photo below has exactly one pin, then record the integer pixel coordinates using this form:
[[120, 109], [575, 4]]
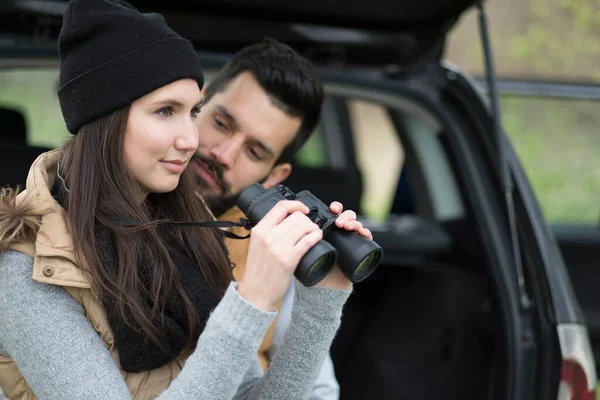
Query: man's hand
[[347, 220]]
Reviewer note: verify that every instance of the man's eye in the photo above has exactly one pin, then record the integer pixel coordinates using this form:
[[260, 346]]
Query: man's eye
[[165, 111], [219, 124], [254, 154]]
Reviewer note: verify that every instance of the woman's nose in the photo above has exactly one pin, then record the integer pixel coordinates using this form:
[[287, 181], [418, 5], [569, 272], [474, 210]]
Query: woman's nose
[[188, 139]]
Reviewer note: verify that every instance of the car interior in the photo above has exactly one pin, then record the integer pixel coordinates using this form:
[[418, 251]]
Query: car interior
[[425, 324], [17, 154]]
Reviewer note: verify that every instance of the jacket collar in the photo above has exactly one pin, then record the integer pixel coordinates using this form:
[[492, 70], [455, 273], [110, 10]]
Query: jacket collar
[[54, 260]]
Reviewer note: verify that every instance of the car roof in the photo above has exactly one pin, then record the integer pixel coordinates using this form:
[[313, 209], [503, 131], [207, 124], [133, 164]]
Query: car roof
[[375, 33]]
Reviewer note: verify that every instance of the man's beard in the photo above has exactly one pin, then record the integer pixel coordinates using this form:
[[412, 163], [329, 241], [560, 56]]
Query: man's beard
[[218, 174], [219, 204]]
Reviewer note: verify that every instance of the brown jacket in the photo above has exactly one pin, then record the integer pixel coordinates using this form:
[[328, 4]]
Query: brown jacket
[[50, 245], [238, 252]]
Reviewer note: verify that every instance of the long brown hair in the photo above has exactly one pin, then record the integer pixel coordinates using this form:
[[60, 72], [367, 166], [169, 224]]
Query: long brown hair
[[101, 190]]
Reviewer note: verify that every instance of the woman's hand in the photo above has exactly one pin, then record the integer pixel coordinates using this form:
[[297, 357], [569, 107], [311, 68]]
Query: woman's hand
[[347, 220], [277, 244]]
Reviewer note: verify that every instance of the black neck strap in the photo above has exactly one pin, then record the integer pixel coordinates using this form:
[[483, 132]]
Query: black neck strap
[[59, 190], [244, 223]]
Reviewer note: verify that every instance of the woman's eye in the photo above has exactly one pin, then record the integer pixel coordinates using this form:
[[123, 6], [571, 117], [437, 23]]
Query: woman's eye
[[165, 111]]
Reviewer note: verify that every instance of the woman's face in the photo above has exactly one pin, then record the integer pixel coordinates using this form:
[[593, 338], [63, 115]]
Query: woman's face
[[161, 135]]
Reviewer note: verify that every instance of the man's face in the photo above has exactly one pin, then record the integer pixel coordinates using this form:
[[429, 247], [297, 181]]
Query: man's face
[[242, 134]]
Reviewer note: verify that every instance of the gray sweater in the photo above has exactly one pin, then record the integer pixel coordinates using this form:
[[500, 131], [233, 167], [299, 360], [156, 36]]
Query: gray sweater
[[326, 386], [45, 332]]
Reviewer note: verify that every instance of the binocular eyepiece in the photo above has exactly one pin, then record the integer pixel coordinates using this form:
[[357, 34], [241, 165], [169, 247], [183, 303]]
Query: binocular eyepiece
[[358, 256]]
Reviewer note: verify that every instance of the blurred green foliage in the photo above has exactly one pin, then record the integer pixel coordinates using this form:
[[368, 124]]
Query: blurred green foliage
[[562, 35]]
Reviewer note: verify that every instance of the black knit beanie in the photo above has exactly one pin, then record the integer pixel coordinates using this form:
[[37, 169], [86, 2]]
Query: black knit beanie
[[111, 54]]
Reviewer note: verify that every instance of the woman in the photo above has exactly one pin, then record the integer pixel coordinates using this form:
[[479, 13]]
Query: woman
[[91, 307]]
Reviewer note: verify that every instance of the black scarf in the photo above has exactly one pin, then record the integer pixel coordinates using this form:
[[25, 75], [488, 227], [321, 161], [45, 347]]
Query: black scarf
[[136, 351]]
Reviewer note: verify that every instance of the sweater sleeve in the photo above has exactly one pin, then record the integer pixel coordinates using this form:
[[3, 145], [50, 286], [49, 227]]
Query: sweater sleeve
[[46, 333], [326, 386], [316, 316]]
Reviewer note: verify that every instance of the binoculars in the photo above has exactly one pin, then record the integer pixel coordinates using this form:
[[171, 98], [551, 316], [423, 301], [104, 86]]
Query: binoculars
[[356, 255]]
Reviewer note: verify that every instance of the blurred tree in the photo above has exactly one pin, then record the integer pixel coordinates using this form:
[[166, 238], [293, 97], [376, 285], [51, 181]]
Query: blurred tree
[[563, 36]]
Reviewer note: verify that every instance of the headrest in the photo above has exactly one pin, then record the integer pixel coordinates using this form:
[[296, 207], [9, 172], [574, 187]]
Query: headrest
[[12, 125]]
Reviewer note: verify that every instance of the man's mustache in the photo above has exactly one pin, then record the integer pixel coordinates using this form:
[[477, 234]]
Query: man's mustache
[[217, 170]]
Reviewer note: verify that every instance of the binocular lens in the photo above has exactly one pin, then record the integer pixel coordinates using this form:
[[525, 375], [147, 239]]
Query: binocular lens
[[358, 256], [316, 263], [319, 264], [366, 265]]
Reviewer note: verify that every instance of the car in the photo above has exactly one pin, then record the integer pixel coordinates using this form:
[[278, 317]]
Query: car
[[473, 298]]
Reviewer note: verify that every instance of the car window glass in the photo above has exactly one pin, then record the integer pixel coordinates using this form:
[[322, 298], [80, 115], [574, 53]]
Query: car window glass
[[558, 143], [33, 92], [379, 155], [314, 152], [433, 160]]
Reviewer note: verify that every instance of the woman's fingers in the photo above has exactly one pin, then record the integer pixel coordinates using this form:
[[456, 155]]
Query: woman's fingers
[[345, 217], [280, 211], [289, 232], [336, 207], [304, 244], [366, 233], [347, 220]]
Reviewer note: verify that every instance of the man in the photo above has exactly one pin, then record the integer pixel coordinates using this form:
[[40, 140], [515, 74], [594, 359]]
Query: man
[[258, 111]]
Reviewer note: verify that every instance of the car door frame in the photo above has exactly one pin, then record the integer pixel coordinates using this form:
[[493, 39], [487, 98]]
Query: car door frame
[[521, 353], [569, 237]]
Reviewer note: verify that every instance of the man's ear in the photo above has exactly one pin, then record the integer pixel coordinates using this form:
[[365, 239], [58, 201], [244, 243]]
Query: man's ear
[[278, 174]]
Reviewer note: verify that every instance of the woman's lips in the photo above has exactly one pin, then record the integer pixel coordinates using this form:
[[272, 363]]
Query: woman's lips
[[176, 167]]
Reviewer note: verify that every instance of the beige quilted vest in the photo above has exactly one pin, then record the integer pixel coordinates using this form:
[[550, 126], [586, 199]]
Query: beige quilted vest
[[55, 264]]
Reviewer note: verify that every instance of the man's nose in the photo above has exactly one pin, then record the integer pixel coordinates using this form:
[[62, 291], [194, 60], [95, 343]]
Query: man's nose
[[227, 151]]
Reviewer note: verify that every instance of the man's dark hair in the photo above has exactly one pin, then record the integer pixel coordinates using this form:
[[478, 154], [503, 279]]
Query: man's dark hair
[[290, 80]]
